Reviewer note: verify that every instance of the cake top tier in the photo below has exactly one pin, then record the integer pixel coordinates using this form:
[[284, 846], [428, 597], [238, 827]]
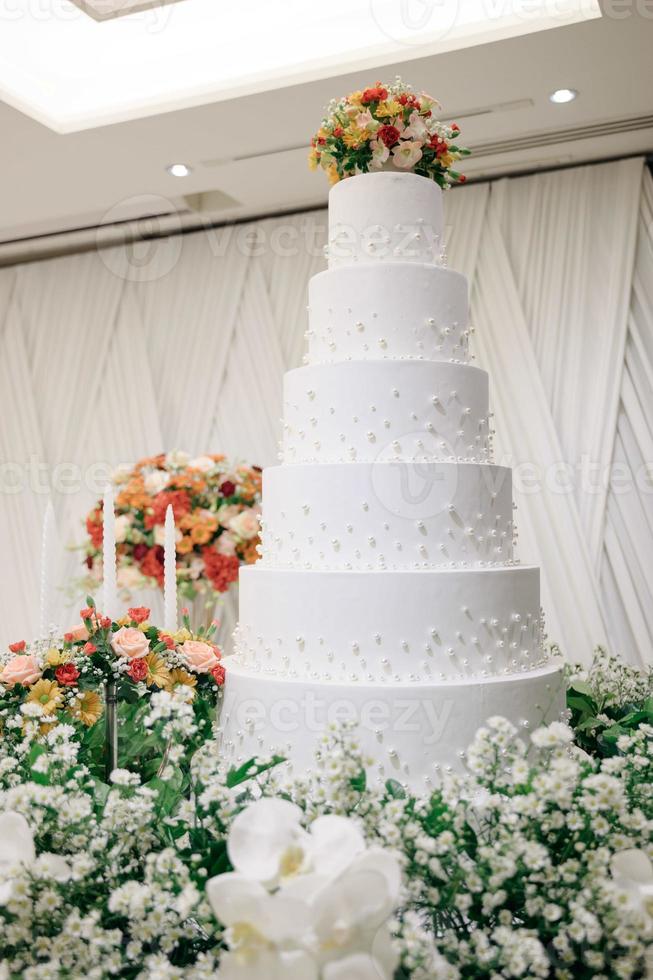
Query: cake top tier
[[385, 217]]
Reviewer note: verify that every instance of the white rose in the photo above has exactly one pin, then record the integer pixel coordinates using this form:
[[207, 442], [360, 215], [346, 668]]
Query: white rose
[[156, 481], [160, 534], [202, 463], [246, 524], [122, 526], [177, 459], [129, 577]]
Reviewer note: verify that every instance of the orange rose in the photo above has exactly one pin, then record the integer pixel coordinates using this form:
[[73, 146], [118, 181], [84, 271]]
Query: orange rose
[[20, 670], [200, 657], [130, 643]]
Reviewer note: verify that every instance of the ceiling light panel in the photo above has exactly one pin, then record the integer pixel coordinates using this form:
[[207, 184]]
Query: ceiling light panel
[[71, 72]]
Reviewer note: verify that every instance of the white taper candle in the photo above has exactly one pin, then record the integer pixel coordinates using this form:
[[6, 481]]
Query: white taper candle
[[170, 574], [47, 561], [109, 588]]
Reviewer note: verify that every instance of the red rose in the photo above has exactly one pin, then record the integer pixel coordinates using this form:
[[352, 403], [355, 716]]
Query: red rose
[[139, 613], [228, 488], [138, 669], [67, 675], [218, 674], [140, 550], [388, 135], [89, 648], [376, 94], [17, 647]]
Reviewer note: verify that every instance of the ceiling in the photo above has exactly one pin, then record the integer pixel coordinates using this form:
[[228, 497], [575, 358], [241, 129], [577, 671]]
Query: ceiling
[[248, 154]]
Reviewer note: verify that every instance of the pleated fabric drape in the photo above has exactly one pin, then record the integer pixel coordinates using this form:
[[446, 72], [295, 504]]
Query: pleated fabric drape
[[182, 342]]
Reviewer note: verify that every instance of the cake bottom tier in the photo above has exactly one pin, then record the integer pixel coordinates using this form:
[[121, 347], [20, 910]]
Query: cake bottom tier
[[413, 733]]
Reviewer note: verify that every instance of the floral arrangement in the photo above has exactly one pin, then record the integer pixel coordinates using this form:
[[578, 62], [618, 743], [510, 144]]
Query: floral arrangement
[[63, 680], [607, 701], [216, 505], [536, 863], [387, 125]]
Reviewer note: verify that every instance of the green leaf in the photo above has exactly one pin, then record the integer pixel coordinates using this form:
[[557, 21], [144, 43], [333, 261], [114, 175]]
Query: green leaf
[[395, 790], [250, 770], [359, 782]]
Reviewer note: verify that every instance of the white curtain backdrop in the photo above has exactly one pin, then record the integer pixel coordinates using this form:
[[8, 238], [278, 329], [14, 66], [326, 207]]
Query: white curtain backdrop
[[182, 342]]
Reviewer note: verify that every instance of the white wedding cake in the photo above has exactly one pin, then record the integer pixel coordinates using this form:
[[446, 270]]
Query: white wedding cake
[[387, 592]]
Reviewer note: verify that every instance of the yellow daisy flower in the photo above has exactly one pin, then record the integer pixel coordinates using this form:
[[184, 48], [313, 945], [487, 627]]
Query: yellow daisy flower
[[87, 708], [157, 672], [48, 694], [180, 677]]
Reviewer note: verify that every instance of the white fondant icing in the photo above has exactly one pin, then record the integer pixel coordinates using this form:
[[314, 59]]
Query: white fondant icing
[[387, 514], [419, 653], [389, 626], [341, 412], [383, 217], [400, 311], [415, 733]]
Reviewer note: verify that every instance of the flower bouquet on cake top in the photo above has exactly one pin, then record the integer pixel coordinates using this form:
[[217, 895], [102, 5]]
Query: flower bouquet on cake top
[[387, 127], [216, 506], [69, 680]]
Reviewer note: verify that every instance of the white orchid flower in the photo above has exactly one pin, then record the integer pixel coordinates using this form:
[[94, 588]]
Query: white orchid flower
[[632, 871], [299, 901], [269, 965], [257, 920], [362, 966], [350, 913], [17, 850], [267, 843]]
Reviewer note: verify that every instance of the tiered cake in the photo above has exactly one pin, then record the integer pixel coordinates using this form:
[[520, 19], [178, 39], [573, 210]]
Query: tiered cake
[[387, 592]]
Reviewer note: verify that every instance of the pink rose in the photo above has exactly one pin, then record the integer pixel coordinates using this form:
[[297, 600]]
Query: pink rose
[[200, 657], [226, 544], [20, 670], [130, 643]]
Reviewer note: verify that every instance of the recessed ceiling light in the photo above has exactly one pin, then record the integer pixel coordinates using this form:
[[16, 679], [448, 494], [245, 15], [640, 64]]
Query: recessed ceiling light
[[179, 170], [563, 95]]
